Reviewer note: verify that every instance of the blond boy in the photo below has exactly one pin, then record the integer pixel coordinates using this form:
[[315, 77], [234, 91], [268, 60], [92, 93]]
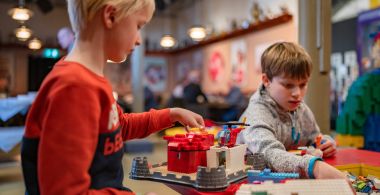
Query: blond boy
[[73, 143]]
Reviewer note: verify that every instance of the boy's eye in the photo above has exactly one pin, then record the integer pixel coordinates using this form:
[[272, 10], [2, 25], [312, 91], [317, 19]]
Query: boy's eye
[[288, 86]]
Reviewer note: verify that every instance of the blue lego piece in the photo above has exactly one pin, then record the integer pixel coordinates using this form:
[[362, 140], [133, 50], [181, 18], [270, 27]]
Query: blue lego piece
[[266, 174], [366, 189], [224, 136]]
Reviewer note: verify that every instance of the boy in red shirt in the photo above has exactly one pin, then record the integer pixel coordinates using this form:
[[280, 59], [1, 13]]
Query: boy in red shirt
[[73, 143]]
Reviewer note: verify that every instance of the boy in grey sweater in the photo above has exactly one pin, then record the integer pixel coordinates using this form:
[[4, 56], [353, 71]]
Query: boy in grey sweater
[[280, 120]]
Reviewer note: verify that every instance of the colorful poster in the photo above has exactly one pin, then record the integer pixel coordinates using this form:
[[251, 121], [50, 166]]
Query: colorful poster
[[183, 68], [239, 62], [216, 66], [155, 73]]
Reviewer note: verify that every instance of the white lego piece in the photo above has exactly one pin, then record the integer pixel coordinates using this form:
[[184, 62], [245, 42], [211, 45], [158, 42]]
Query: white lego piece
[[300, 186], [376, 183], [234, 157]]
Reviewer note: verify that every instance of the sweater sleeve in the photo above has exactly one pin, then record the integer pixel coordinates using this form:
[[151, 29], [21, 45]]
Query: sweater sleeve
[[140, 125], [310, 119], [261, 139], [68, 141]]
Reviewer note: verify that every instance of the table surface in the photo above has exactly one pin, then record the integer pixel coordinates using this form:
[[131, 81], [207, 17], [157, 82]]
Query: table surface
[[354, 156], [342, 157]]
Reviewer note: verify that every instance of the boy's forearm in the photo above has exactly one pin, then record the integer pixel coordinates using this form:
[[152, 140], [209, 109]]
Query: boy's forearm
[[283, 161], [140, 125], [276, 156]]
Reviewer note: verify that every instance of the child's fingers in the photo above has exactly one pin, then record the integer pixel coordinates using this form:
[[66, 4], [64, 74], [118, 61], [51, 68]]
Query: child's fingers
[[329, 153], [187, 128], [326, 145], [193, 122], [196, 121], [200, 121], [328, 150]]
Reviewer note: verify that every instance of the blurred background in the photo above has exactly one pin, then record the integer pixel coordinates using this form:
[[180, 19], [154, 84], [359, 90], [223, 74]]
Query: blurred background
[[203, 55]]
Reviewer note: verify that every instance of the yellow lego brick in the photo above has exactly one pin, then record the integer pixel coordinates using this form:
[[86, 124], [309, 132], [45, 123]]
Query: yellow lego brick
[[356, 141], [352, 168], [370, 170], [360, 169]]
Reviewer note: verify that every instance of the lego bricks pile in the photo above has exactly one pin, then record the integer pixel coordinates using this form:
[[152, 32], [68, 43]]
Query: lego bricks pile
[[365, 185], [361, 112]]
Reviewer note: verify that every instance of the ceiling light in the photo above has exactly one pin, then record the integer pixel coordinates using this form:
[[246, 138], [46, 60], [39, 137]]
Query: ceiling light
[[35, 44], [20, 14], [197, 33], [23, 33], [167, 41]]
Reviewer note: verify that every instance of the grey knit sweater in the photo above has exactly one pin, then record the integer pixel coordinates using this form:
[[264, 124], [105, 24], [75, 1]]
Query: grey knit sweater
[[270, 133]]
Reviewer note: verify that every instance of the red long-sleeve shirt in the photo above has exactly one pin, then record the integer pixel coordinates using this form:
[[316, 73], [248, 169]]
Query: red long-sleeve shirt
[[73, 143]]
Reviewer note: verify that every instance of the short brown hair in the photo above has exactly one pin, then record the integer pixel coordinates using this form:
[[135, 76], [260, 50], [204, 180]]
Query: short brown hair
[[286, 59]]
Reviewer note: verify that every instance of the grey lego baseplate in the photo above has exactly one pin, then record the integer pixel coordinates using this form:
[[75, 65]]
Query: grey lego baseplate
[[207, 179]]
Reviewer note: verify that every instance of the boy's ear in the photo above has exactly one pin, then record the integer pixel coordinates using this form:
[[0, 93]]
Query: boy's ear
[[109, 12], [265, 80]]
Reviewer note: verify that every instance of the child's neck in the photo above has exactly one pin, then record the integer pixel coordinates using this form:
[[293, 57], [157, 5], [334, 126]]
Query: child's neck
[[85, 52]]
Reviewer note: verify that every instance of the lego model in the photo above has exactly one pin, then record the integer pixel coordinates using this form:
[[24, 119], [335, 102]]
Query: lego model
[[193, 160], [256, 175], [299, 186], [359, 120]]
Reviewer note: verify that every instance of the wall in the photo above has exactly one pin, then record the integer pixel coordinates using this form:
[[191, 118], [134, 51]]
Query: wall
[[217, 14], [213, 14], [200, 58], [16, 60]]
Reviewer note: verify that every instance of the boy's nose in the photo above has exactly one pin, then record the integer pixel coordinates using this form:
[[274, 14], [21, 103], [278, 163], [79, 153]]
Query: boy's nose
[[296, 92]]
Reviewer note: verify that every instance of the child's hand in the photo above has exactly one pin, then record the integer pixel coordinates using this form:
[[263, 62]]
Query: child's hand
[[186, 118], [323, 170], [328, 148]]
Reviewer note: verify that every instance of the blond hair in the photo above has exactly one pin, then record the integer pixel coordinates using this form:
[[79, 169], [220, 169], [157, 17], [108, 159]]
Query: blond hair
[[82, 11], [286, 59]]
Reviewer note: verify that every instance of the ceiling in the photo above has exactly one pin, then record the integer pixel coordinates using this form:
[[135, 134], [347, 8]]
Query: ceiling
[[163, 7], [171, 8]]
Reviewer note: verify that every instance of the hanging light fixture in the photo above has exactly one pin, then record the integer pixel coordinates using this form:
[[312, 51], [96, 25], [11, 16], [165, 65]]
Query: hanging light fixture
[[197, 33], [35, 44], [20, 13], [167, 41], [23, 33]]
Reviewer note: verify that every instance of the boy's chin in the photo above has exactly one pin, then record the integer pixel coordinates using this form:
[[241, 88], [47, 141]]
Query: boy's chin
[[117, 60], [293, 109]]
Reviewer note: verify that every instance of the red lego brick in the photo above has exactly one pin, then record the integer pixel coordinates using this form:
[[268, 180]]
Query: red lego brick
[[187, 152]]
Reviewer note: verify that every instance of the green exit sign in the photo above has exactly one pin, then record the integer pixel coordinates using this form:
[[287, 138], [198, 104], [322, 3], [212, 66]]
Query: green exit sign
[[50, 53]]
